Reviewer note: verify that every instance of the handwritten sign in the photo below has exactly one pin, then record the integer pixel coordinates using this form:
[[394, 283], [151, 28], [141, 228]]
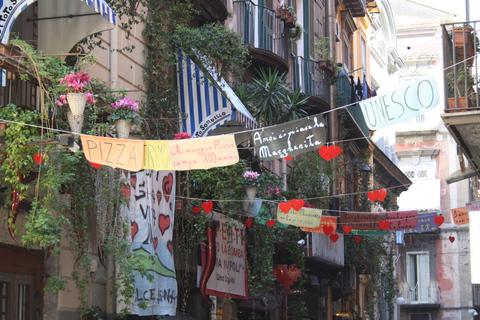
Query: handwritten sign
[[290, 139], [156, 155], [400, 105], [116, 153], [425, 223], [305, 217], [325, 221], [402, 220], [9, 11], [460, 215], [362, 221]]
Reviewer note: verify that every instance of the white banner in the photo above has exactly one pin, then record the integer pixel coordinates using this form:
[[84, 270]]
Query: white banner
[[474, 248], [400, 105]]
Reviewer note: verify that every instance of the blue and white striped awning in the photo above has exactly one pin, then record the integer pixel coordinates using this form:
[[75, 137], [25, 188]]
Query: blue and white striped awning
[[207, 103]]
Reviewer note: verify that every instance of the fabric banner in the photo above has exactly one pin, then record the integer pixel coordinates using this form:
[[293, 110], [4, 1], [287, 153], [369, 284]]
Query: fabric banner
[[425, 223], [400, 105], [460, 215], [305, 217], [152, 199], [399, 220], [229, 277], [290, 139], [325, 221]]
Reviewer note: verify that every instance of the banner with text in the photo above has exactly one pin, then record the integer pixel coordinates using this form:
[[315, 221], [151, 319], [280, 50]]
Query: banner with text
[[325, 221], [305, 217], [460, 215], [151, 196], [290, 139], [425, 223], [399, 220], [400, 105], [229, 277]]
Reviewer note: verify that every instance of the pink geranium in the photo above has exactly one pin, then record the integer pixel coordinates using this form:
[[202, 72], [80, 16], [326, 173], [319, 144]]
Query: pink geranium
[[125, 103], [76, 82], [181, 136]]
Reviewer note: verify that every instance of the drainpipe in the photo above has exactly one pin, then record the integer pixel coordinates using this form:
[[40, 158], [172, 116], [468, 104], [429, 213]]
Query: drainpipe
[[332, 116]]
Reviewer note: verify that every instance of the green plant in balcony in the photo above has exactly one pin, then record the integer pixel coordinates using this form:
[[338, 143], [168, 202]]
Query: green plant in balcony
[[457, 80]]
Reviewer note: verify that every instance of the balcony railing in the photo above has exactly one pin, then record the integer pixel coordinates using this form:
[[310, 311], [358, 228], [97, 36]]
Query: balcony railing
[[259, 27], [312, 80], [345, 96], [425, 295]]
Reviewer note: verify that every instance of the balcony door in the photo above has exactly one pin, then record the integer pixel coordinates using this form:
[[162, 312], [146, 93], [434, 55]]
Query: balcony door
[[418, 276]]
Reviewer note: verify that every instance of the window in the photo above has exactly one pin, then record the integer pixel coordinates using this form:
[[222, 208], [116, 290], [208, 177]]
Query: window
[[422, 174], [418, 276], [410, 174], [420, 316], [16, 296], [3, 300]]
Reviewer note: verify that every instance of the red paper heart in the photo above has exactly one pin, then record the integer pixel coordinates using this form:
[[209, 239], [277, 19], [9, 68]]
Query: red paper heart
[[334, 151], [95, 165], [439, 220], [163, 223], [373, 195], [347, 229], [134, 229], [196, 210], [155, 242], [38, 158], [285, 206], [323, 151], [327, 229], [384, 224], [167, 185], [451, 238], [382, 193], [297, 204], [170, 246], [207, 206], [288, 158], [249, 222], [271, 222], [334, 237], [357, 239]]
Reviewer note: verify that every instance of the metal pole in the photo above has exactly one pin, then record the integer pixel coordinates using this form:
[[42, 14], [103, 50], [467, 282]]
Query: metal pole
[[467, 10]]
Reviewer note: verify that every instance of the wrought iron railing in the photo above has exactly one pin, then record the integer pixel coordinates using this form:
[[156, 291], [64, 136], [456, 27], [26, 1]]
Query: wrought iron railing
[[311, 79]]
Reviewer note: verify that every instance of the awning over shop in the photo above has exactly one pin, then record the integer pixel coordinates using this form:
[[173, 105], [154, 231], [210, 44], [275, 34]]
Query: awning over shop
[[209, 104], [61, 23]]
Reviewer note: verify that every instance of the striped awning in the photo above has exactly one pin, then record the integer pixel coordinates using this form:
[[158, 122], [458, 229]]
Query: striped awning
[[208, 103]]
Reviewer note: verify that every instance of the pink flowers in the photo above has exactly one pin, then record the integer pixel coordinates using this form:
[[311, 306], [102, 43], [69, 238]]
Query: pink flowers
[[76, 82], [251, 175], [270, 190], [63, 99], [125, 103], [181, 136]]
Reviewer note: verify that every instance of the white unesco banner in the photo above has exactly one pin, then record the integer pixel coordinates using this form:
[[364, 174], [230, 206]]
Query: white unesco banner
[[400, 105]]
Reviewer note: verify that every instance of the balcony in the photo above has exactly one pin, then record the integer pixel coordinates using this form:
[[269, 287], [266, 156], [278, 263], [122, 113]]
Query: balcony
[[211, 10], [462, 113], [420, 297], [358, 8], [265, 35]]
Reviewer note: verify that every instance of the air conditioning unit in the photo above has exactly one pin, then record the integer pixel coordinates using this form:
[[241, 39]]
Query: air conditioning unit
[[337, 31]]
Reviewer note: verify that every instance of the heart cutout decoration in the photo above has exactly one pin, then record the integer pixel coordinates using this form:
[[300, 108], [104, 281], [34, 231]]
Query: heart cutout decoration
[[134, 229], [328, 229], [334, 151], [163, 223], [249, 222], [384, 224], [38, 158], [285, 206], [155, 242], [347, 229], [334, 237], [170, 246], [451, 238], [288, 158], [323, 151], [382, 193], [95, 165], [297, 204], [373, 195], [439, 220], [357, 239], [271, 222], [196, 210], [207, 206]]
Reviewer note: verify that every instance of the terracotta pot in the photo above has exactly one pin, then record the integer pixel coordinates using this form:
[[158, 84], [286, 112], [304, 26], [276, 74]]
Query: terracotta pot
[[461, 104], [3, 125], [290, 22], [325, 65]]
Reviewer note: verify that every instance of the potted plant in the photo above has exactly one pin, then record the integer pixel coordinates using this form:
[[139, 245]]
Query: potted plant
[[456, 85], [76, 86], [125, 114], [321, 49], [466, 43], [296, 33], [287, 14]]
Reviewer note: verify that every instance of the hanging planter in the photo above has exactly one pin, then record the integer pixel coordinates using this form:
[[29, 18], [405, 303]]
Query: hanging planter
[[77, 102], [123, 128], [75, 122], [3, 125], [326, 65]]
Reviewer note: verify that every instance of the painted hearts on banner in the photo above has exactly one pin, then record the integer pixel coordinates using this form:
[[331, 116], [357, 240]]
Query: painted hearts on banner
[[38, 158], [125, 191], [95, 165], [451, 238], [384, 224], [382, 193], [170, 246], [155, 242], [133, 181], [271, 222], [134, 229], [323, 151], [357, 239], [159, 196], [334, 237], [347, 229], [163, 223], [327, 229], [373, 195], [207, 206], [288, 158], [297, 204], [334, 151], [439, 220], [285, 206], [167, 184], [249, 222], [196, 210]]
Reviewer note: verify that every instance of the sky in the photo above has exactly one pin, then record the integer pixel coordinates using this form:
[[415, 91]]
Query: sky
[[456, 6]]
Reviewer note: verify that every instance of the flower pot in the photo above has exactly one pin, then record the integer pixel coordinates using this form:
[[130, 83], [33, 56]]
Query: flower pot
[[249, 198], [325, 65], [123, 128], [3, 125], [461, 104], [283, 14], [77, 102], [290, 22], [75, 122]]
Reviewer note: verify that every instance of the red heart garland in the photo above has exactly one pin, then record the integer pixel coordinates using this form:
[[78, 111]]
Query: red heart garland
[[95, 165], [373, 195], [382, 193], [271, 222], [327, 229], [249, 222], [207, 206], [38, 158], [285, 206], [384, 224], [347, 229], [297, 204], [439, 220], [323, 151], [357, 239], [451, 238], [334, 237], [334, 151], [288, 158], [196, 210]]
